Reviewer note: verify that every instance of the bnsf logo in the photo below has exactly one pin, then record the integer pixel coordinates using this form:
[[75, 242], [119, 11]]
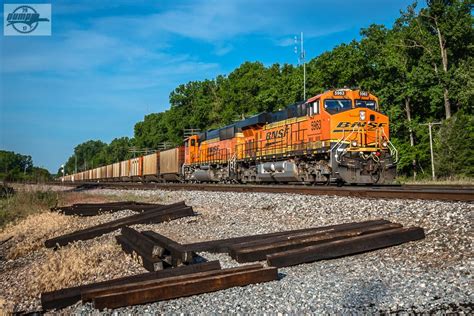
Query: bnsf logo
[[213, 150], [359, 124], [348, 125], [277, 134]]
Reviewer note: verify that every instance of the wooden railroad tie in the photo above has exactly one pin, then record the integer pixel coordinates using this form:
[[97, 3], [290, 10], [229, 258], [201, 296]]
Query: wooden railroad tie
[[225, 245], [69, 296], [179, 286], [258, 252], [344, 247], [156, 251], [92, 209], [279, 249], [157, 215]]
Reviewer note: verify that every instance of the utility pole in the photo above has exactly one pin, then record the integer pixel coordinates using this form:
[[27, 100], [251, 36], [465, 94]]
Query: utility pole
[[75, 163], [301, 59], [430, 125]]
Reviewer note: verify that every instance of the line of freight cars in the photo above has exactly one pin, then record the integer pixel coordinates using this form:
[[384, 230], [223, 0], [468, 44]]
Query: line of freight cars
[[160, 166]]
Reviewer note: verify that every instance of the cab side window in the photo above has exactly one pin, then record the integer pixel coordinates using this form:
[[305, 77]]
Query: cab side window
[[316, 107], [313, 108]]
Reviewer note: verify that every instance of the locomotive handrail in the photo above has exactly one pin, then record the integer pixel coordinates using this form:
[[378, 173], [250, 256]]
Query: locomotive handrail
[[391, 147], [339, 144]]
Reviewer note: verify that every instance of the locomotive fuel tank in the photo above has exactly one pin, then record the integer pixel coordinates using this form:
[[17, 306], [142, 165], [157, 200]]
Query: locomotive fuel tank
[[279, 171]]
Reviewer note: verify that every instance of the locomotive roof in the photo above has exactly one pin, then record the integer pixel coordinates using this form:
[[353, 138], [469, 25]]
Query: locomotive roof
[[293, 110]]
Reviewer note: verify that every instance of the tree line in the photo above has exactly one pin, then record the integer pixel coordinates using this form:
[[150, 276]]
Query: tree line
[[18, 167], [421, 69]]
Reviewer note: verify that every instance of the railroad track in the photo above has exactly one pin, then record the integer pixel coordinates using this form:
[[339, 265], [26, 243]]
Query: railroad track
[[424, 192]]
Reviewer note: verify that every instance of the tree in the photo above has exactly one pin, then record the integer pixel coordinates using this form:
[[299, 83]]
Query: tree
[[86, 156], [454, 145], [444, 32], [18, 167]]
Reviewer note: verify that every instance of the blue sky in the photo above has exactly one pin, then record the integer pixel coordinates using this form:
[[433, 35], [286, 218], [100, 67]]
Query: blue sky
[[109, 63]]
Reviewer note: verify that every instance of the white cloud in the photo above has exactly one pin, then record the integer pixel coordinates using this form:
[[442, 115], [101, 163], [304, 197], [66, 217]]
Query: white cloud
[[223, 49], [284, 42], [212, 20]]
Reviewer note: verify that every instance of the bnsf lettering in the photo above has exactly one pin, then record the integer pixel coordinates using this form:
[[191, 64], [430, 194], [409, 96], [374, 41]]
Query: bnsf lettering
[[213, 150], [359, 124], [343, 124], [277, 134], [348, 125]]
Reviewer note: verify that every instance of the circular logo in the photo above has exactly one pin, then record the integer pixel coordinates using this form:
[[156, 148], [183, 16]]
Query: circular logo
[[25, 13]]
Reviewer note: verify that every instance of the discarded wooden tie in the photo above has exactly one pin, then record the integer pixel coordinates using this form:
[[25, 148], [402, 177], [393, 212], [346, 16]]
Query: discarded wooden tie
[[158, 215], [347, 246], [68, 296], [183, 278], [180, 286], [156, 251], [311, 244], [92, 209], [178, 252], [248, 252], [225, 245], [151, 263]]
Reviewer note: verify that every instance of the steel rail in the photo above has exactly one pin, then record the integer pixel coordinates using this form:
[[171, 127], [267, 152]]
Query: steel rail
[[423, 192]]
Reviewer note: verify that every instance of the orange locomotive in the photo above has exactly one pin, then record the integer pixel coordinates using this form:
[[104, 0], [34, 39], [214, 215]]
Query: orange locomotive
[[337, 136]]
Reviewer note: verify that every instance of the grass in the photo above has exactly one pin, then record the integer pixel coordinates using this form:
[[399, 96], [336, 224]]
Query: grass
[[30, 233], [24, 203], [26, 223], [427, 180], [30, 200], [70, 266], [25, 217]]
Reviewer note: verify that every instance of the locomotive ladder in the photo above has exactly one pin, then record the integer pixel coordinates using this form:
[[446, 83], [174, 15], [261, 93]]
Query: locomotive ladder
[[232, 163]]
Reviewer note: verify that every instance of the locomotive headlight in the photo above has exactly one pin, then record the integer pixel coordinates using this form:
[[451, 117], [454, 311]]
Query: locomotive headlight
[[354, 143], [384, 144], [362, 115]]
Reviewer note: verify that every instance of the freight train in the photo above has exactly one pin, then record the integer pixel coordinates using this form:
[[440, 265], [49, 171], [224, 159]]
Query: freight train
[[339, 136]]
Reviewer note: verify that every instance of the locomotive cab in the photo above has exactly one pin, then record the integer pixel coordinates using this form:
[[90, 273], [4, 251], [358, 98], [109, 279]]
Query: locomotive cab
[[361, 151]]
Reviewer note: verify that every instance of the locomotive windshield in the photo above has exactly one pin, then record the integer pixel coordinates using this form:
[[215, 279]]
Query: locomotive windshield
[[339, 105], [370, 104]]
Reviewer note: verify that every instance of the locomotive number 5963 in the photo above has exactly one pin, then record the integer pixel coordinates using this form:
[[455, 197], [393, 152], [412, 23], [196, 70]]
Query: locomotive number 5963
[[316, 125]]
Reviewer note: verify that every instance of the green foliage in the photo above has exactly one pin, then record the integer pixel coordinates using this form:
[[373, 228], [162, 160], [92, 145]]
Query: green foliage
[[419, 68], [454, 146], [18, 167], [86, 156], [26, 202]]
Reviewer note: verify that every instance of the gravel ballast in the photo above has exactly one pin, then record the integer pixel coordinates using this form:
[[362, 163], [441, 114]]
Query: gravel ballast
[[431, 275]]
